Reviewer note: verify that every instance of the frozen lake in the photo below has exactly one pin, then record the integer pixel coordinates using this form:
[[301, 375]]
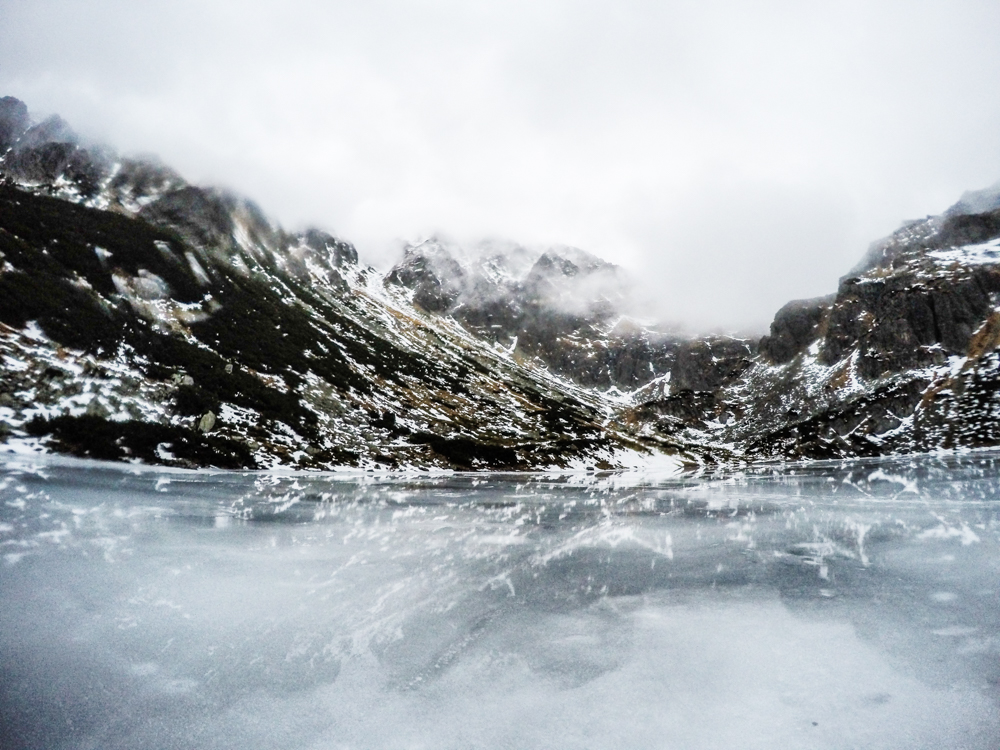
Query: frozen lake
[[853, 605]]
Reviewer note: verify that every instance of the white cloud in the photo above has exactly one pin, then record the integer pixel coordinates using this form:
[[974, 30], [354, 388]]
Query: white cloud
[[732, 155]]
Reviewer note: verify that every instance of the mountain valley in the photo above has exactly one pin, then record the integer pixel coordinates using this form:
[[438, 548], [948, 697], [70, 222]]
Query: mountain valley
[[144, 318]]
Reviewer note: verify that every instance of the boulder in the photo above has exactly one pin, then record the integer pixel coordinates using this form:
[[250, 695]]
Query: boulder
[[207, 422]]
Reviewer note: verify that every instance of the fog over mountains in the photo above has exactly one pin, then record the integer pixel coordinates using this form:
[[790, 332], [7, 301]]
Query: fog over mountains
[[145, 318], [731, 157]]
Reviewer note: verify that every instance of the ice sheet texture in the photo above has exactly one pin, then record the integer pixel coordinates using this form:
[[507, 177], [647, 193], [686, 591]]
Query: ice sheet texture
[[832, 606]]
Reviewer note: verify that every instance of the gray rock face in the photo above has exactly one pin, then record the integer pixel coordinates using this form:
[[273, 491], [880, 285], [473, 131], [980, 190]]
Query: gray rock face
[[955, 227], [794, 328], [207, 422], [338, 253], [206, 218], [138, 182], [899, 322], [969, 229], [908, 310], [14, 121], [977, 201], [709, 364], [914, 236], [50, 151], [436, 278]]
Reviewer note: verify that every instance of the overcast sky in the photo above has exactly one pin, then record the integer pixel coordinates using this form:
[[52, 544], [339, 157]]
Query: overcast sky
[[732, 155]]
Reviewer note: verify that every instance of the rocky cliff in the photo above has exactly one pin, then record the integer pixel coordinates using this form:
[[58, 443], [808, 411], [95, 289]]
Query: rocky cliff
[[901, 359]]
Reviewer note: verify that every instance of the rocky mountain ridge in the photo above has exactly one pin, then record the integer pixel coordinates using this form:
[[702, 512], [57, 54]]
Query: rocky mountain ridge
[[143, 318], [902, 358], [561, 308]]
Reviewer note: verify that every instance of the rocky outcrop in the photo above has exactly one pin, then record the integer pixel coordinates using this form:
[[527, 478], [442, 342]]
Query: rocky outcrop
[[710, 364], [794, 328], [14, 121], [900, 359], [428, 269], [908, 319], [49, 154]]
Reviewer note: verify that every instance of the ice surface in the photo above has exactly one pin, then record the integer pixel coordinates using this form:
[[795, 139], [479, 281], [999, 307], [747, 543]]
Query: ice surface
[[823, 606]]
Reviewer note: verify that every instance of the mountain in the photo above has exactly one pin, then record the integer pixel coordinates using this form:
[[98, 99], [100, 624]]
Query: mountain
[[902, 358], [144, 318], [560, 308]]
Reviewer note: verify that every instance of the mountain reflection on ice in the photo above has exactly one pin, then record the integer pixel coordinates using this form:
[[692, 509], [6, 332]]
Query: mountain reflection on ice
[[828, 606]]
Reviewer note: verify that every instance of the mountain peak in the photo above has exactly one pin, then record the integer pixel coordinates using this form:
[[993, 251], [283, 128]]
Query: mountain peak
[[977, 201]]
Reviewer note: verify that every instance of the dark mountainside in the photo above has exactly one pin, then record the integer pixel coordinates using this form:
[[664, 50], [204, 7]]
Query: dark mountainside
[[143, 318]]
